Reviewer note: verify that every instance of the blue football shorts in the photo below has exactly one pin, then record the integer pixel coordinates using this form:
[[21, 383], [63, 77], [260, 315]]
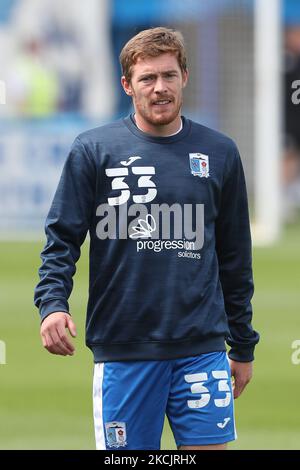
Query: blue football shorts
[[131, 399]]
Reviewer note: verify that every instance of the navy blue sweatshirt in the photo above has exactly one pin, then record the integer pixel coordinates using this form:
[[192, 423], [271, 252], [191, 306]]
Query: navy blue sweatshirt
[[170, 247]]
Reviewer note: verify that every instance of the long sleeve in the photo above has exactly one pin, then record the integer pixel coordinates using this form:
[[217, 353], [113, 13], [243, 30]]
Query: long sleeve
[[66, 227], [233, 246]]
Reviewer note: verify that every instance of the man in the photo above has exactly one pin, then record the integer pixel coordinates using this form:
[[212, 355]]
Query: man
[[165, 203]]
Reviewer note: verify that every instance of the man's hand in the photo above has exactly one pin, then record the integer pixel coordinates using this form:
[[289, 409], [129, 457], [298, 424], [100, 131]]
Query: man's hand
[[54, 336], [241, 373]]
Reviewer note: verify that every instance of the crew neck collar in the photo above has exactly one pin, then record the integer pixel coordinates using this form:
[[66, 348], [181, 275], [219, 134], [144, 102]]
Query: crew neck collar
[[130, 123]]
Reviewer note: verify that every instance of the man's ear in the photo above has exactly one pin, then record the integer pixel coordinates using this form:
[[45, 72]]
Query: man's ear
[[126, 86], [185, 77]]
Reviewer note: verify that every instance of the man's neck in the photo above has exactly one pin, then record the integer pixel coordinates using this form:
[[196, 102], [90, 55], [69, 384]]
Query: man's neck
[[159, 131]]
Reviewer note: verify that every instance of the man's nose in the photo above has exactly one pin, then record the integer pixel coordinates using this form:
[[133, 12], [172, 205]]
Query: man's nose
[[160, 85]]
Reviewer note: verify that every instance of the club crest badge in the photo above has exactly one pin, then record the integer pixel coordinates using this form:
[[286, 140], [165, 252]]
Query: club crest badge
[[199, 164], [116, 434]]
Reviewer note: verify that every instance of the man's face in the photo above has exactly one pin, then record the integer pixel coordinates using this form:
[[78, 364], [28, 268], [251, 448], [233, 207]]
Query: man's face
[[156, 89]]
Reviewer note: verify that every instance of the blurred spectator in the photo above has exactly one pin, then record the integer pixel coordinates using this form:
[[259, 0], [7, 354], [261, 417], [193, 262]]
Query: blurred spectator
[[66, 42], [32, 87]]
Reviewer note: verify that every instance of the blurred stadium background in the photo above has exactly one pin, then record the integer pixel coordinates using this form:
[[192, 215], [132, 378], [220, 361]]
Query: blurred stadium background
[[59, 67]]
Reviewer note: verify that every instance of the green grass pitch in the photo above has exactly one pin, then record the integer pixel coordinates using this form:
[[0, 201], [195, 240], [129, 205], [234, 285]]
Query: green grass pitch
[[46, 401]]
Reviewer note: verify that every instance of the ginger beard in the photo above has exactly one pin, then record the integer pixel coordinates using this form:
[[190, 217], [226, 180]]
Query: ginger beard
[[160, 111], [156, 88]]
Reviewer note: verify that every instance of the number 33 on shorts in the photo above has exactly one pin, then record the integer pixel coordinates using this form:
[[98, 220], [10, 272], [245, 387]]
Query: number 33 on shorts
[[200, 406], [197, 381]]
